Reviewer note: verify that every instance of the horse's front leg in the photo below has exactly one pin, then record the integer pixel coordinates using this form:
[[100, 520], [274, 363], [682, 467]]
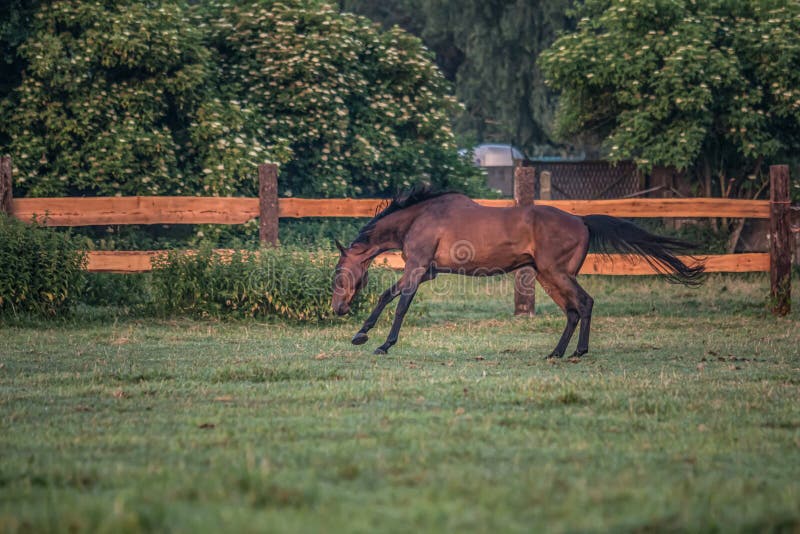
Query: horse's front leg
[[389, 295], [407, 287]]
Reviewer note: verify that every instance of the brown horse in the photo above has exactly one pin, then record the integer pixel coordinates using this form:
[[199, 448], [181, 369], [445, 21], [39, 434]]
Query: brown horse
[[449, 233]]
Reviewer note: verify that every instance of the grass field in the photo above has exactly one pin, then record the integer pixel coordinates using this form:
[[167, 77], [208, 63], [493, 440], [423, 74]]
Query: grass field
[[685, 416]]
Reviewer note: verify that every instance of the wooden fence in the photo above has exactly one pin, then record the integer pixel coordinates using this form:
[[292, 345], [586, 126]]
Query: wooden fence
[[268, 208]]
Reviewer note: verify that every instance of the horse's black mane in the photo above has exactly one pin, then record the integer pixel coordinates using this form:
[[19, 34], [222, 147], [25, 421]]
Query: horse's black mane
[[401, 201]]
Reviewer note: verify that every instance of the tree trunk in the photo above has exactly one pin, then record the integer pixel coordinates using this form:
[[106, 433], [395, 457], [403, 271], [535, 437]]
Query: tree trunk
[[709, 193]]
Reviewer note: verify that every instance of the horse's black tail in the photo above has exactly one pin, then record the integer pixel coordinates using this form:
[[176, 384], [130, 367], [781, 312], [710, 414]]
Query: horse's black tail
[[608, 234]]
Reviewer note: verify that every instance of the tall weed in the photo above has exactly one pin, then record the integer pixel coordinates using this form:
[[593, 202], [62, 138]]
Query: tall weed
[[284, 282], [41, 271]]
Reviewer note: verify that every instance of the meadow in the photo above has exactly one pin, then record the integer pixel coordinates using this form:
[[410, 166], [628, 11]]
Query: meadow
[[685, 415]]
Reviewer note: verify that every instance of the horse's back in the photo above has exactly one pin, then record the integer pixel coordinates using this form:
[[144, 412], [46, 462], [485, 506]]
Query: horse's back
[[461, 235]]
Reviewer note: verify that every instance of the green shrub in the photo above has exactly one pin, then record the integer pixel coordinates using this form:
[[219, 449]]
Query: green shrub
[[41, 271], [123, 290], [282, 282], [307, 233], [319, 233]]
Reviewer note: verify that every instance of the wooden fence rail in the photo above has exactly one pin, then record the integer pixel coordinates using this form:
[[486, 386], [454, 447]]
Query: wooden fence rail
[[88, 211], [119, 261], [268, 208]]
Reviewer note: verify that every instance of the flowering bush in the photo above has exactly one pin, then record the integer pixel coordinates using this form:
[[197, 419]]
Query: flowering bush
[[165, 98], [104, 86], [360, 111]]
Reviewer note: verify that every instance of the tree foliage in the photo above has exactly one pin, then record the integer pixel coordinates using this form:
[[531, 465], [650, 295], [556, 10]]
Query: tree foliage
[[708, 83], [164, 97], [489, 50], [499, 80], [408, 14], [15, 18]]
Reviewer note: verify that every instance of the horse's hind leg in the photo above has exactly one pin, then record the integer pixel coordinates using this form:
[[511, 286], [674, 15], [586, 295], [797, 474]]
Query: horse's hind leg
[[575, 303], [585, 304]]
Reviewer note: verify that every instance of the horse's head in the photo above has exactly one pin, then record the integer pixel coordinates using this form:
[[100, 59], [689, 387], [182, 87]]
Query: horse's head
[[350, 276]]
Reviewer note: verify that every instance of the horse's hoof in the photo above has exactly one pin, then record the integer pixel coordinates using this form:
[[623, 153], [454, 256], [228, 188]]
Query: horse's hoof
[[553, 356], [359, 339], [380, 351], [578, 353]]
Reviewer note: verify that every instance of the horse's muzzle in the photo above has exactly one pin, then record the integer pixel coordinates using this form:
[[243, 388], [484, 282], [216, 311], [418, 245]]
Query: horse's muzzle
[[341, 309]]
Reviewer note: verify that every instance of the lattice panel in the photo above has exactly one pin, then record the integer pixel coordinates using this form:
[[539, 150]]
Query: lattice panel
[[590, 179]]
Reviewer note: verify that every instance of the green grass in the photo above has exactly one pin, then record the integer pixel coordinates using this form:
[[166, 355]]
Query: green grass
[[685, 416]]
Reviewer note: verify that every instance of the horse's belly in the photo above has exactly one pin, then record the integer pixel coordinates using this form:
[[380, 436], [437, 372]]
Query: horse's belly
[[467, 257]]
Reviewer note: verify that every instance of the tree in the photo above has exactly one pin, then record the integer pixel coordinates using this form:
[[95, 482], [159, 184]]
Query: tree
[[499, 80], [489, 50], [711, 86], [125, 97]]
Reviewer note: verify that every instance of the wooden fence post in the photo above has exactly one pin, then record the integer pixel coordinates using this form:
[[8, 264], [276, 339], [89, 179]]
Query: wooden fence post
[[268, 204], [780, 253], [6, 197], [545, 185], [525, 278]]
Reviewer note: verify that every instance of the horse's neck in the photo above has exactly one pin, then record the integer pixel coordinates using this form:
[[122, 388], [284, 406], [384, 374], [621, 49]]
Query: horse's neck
[[390, 231]]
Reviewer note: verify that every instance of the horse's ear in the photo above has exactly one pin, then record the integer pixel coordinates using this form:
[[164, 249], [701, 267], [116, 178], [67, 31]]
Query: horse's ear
[[341, 247]]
